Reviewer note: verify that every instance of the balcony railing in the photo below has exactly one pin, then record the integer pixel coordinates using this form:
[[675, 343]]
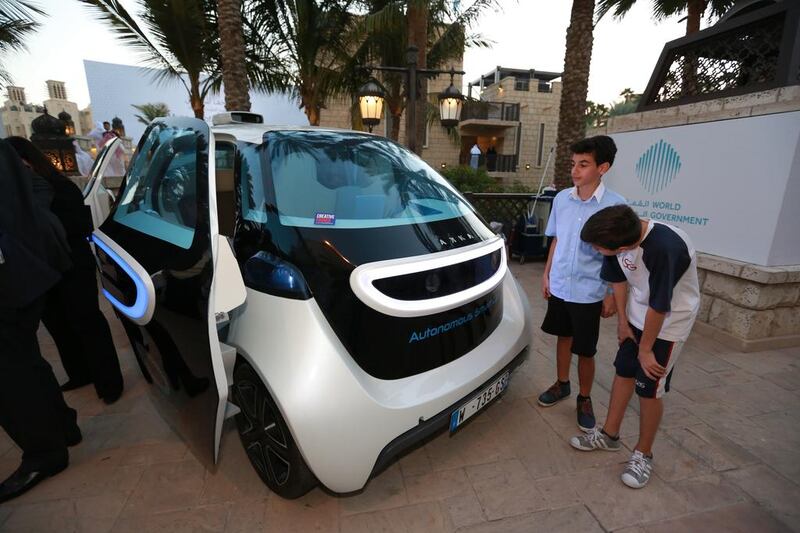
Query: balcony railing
[[493, 163], [479, 110]]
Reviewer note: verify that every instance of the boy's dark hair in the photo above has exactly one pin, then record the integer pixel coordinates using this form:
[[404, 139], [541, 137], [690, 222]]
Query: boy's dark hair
[[613, 227], [602, 148]]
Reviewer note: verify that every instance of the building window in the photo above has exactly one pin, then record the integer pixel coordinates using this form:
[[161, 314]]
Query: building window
[[427, 134], [540, 149], [522, 85]]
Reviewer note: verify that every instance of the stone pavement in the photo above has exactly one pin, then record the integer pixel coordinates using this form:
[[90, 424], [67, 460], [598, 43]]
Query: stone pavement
[[727, 459]]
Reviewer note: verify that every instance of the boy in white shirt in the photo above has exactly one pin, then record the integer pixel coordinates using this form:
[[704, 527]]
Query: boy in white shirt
[[652, 268]]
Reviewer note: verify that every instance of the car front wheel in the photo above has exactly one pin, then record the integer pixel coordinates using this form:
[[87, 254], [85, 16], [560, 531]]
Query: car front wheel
[[266, 438]]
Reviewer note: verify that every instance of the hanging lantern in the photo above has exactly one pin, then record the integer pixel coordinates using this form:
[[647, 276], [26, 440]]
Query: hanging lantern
[[370, 103], [450, 103]]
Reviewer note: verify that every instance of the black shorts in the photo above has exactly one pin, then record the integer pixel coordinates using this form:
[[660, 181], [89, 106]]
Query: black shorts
[[579, 321], [627, 364]]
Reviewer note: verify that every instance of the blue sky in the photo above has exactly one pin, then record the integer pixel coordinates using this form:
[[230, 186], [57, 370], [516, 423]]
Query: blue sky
[[526, 34]]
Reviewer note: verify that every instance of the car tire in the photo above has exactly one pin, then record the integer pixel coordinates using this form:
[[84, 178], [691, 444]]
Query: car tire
[[266, 438]]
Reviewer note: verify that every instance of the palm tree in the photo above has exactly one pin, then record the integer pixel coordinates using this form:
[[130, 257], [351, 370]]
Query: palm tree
[[310, 36], [694, 9], [151, 111], [234, 70], [388, 35], [16, 22], [181, 38], [575, 85], [596, 114]]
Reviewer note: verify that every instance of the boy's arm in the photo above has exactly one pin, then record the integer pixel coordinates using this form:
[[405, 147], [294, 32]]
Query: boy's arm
[[624, 330], [653, 321], [546, 275]]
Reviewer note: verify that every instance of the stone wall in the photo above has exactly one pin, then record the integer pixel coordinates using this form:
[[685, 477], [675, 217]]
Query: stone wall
[[746, 306], [780, 100]]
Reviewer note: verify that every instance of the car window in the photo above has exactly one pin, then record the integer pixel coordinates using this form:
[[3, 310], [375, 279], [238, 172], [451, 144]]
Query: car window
[[346, 180], [254, 201], [160, 196]]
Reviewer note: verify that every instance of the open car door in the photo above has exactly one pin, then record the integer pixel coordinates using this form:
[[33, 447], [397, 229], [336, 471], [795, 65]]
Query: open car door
[[111, 162], [157, 253]]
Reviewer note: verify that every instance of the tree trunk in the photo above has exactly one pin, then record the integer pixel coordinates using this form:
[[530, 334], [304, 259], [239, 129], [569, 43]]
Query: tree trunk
[[231, 44], [417, 15], [198, 106], [695, 10], [313, 114], [575, 85]]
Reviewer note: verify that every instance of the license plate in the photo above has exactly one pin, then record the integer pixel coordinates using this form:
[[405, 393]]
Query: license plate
[[479, 401]]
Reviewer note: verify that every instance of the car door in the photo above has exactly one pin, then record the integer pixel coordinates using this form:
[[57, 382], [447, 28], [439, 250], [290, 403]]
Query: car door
[[110, 163], [157, 252]]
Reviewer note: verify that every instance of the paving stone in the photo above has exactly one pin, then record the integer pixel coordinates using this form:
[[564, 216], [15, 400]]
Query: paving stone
[[247, 516], [770, 490], [166, 487], [385, 491], [576, 518], [602, 491], [740, 518], [714, 449], [210, 518], [709, 492], [543, 451], [317, 511], [415, 462], [504, 489], [788, 379], [422, 517], [475, 443], [437, 485], [462, 510], [672, 462], [89, 514]]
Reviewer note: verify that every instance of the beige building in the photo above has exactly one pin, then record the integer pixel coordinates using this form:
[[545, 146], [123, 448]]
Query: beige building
[[17, 114], [514, 111]]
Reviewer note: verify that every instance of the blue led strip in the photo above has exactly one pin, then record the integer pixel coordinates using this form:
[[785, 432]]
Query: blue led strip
[[138, 311]]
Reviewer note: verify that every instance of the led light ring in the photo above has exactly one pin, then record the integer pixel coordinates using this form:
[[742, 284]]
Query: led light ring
[[362, 278], [142, 309]]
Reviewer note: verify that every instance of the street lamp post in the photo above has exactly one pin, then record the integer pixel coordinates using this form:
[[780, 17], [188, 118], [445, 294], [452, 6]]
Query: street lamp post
[[450, 100]]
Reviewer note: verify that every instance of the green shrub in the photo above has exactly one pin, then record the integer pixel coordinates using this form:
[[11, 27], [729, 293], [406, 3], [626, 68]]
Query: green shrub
[[467, 179]]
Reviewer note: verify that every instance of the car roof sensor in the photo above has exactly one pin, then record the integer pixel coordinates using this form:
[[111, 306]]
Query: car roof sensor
[[237, 117]]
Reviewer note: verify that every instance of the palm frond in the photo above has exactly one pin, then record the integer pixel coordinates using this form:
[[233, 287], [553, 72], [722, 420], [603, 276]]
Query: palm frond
[[129, 32]]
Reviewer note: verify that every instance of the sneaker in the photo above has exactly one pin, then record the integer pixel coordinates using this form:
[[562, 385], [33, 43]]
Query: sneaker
[[586, 421], [595, 439], [557, 392], [637, 473]]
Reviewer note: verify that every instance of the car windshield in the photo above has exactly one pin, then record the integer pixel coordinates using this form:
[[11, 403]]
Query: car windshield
[[348, 180]]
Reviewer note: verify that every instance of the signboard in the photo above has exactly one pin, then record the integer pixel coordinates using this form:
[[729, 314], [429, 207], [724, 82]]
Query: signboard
[[732, 185]]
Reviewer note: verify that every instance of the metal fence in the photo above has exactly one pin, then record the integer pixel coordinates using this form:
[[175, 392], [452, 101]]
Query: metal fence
[[480, 110], [747, 53]]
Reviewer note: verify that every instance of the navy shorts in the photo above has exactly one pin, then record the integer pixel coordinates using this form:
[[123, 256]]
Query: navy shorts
[[579, 321], [627, 364]]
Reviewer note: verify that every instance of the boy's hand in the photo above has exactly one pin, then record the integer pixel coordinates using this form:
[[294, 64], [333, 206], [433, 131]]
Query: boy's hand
[[624, 331], [546, 286], [609, 306], [651, 368]]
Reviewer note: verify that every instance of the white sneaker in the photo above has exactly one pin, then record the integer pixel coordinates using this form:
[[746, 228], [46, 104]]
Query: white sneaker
[[594, 439], [637, 473]]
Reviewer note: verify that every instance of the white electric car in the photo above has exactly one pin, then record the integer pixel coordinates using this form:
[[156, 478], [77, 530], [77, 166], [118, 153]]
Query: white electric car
[[325, 287]]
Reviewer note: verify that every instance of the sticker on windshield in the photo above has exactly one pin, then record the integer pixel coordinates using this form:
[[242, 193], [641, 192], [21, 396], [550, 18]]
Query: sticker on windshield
[[325, 219]]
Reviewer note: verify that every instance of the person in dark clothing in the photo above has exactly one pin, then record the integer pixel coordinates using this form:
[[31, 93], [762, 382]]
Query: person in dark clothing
[[32, 254], [72, 314]]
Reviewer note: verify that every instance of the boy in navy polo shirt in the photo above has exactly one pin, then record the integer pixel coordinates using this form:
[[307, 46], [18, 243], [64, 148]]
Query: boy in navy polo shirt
[[576, 296], [653, 270]]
